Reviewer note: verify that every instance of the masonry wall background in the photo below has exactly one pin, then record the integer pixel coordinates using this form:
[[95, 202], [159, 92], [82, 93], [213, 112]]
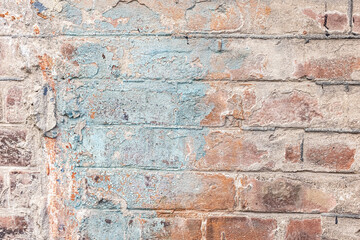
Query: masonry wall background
[[174, 119]]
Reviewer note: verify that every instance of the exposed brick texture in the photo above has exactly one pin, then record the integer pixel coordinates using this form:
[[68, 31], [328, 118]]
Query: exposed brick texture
[[13, 151], [180, 119]]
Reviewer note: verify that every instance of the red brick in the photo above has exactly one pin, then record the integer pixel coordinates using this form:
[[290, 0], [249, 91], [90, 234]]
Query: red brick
[[309, 229], [282, 194], [293, 153], [287, 108], [334, 152], [159, 190], [340, 228], [172, 228], [336, 21], [356, 23], [328, 68], [12, 227], [3, 192], [23, 187], [1, 106], [231, 103], [334, 156], [356, 17], [12, 151], [15, 110], [240, 228], [228, 150]]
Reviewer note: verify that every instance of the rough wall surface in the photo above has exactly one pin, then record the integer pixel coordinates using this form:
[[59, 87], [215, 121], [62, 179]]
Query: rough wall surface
[[179, 119]]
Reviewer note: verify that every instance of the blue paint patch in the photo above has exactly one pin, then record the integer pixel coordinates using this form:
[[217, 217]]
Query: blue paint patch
[[148, 102], [145, 147], [39, 6], [73, 14], [45, 91], [139, 189]]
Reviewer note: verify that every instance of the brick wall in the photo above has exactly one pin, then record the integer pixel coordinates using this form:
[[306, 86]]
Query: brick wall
[[179, 119]]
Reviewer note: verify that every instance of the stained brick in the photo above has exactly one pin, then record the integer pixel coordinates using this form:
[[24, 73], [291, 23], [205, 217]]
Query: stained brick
[[19, 17], [98, 224], [1, 106], [331, 151], [240, 228], [297, 193], [15, 110], [23, 186], [222, 59], [258, 17], [136, 146], [304, 229], [204, 149], [340, 228], [356, 17], [13, 227], [156, 190], [172, 228], [13, 151], [3, 191], [216, 104]]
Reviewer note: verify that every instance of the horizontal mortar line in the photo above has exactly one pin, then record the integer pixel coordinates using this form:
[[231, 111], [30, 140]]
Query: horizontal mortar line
[[188, 35], [189, 80], [352, 82], [15, 211], [102, 126], [20, 168], [227, 213], [17, 125], [152, 169], [11, 79], [321, 130], [243, 128], [306, 129], [207, 80], [341, 215], [150, 126], [226, 35]]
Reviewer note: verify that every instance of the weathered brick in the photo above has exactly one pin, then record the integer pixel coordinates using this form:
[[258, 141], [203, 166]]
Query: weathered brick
[[13, 227], [240, 228], [13, 151], [324, 61], [147, 102], [181, 59], [356, 17], [23, 17], [171, 228], [304, 229], [297, 193], [247, 151], [15, 110], [101, 224], [215, 104], [155, 190], [137, 146], [23, 188], [4, 191], [331, 151], [340, 228], [13, 59], [258, 17], [1, 106], [205, 149], [222, 59], [304, 105]]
